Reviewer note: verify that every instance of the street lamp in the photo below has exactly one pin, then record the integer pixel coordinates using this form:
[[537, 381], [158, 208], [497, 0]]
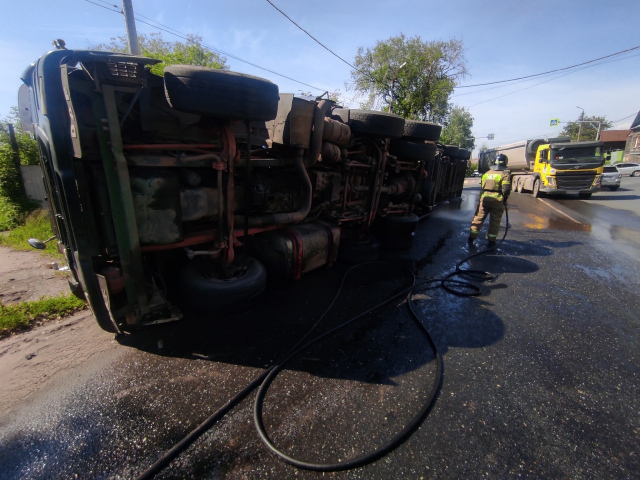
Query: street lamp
[[581, 118], [490, 136]]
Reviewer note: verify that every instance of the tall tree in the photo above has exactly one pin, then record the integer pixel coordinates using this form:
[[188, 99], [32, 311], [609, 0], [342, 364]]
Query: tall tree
[[587, 131], [457, 128], [192, 52], [413, 77]]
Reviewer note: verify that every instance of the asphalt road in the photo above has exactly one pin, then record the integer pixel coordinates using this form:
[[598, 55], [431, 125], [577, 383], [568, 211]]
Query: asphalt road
[[540, 371]]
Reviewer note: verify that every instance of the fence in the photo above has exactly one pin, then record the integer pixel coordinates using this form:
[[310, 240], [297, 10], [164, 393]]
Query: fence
[[34, 183]]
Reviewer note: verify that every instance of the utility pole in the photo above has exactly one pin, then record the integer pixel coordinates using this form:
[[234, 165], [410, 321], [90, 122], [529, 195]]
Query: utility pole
[[581, 119], [130, 23]]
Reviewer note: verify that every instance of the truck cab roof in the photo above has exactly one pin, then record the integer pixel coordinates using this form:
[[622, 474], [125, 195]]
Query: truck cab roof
[[557, 146]]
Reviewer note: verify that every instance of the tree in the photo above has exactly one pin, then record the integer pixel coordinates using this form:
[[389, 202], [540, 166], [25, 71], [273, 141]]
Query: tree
[[588, 131], [457, 128], [415, 78], [171, 53], [13, 203], [27, 145]]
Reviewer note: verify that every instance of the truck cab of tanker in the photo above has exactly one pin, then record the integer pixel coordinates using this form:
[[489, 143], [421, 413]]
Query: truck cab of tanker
[[566, 167]]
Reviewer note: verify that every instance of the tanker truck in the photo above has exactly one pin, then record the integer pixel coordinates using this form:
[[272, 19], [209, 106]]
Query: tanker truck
[[551, 165]]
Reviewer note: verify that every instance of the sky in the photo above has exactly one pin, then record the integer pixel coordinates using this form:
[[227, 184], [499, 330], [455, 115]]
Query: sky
[[502, 40]]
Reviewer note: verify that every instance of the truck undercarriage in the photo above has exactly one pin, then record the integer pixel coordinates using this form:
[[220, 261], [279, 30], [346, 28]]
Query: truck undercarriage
[[190, 191]]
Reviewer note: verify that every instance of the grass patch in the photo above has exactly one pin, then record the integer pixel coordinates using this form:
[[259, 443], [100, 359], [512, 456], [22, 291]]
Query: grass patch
[[37, 225], [25, 315], [13, 213]]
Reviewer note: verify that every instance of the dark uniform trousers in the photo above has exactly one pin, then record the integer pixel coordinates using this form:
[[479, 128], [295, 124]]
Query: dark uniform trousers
[[493, 207]]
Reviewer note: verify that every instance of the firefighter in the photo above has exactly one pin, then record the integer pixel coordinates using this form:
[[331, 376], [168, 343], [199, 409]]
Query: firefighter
[[496, 187]]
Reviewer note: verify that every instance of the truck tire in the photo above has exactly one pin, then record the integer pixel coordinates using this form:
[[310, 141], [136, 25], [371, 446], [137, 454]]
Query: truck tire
[[415, 151], [414, 130], [450, 151], [463, 154], [369, 122], [220, 93], [535, 191], [205, 293], [518, 187]]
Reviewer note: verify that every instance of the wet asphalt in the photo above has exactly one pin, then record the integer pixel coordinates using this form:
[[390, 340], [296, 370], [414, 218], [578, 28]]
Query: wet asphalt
[[541, 371]]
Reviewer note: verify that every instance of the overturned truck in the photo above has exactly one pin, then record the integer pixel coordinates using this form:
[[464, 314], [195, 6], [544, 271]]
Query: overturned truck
[[188, 191]]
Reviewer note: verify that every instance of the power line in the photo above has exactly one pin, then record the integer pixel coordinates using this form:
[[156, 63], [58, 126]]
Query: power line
[[102, 6], [529, 80], [172, 31], [546, 81], [551, 71], [629, 116], [311, 36]]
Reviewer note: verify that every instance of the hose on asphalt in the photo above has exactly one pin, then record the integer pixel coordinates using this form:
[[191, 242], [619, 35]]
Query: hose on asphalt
[[265, 379], [467, 289]]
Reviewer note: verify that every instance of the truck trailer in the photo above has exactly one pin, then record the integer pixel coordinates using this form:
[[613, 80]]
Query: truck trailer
[[551, 165]]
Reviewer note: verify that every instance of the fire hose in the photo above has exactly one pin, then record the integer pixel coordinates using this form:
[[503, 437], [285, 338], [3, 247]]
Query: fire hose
[[264, 380]]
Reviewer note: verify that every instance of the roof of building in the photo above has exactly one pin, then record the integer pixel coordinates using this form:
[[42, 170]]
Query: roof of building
[[636, 122], [614, 135]]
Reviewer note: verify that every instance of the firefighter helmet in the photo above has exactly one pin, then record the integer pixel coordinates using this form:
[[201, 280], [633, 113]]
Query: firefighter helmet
[[501, 160]]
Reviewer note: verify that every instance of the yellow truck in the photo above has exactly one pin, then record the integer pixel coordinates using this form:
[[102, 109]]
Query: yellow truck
[[551, 165]]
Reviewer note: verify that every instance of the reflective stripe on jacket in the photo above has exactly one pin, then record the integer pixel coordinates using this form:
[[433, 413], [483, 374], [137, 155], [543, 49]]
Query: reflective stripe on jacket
[[496, 183]]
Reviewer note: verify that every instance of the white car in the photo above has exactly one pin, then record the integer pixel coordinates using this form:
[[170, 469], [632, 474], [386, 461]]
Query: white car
[[626, 168], [611, 177]]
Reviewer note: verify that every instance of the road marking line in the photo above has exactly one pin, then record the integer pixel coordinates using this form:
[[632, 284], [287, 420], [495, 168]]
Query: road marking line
[[560, 211]]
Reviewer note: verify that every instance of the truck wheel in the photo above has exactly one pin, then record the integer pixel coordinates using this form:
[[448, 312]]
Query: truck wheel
[[414, 151], [414, 130], [362, 250], [515, 186], [383, 124], [584, 195], [463, 154], [450, 151], [220, 93], [204, 292], [536, 188]]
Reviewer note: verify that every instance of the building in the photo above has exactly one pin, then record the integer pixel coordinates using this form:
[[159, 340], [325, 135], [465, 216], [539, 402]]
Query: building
[[615, 142], [632, 148]]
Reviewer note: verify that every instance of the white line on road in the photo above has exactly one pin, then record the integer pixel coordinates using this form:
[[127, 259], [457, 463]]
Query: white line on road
[[560, 211]]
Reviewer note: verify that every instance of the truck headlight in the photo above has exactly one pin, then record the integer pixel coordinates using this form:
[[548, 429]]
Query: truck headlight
[[598, 181], [551, 181]]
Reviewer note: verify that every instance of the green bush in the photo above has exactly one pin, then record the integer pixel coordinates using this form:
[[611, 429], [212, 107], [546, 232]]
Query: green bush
[[36, 225], [24, 315], [14, 206], [471, 167]]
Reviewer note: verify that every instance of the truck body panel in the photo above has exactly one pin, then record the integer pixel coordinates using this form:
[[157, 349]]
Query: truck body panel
[[186, 191]]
